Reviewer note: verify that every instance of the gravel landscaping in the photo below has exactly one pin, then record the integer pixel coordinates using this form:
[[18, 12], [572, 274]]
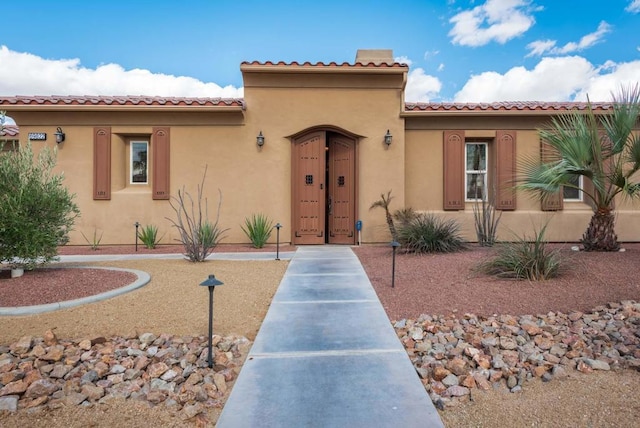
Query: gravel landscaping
[[596, 386]]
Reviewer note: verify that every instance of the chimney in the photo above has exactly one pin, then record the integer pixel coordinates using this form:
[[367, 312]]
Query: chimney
[[376, 56]]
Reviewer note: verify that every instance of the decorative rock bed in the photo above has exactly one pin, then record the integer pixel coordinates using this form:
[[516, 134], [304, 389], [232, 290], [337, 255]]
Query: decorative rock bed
[[452, 355], [38, 373], [457, 355]]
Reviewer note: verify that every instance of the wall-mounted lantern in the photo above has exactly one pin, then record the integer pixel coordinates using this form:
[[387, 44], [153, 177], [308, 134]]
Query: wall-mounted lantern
[[260, 139], [59, 135], [387, 138]]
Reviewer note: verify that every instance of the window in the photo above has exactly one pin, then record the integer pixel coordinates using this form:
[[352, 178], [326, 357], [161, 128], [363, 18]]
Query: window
[[466, 160], [573, 193], [475, 171], [139, 167]]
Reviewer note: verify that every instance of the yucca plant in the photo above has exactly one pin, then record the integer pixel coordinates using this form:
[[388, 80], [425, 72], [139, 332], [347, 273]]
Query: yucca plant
[[258, 229], [149, 236], [94, 243], [384, 202], [404, 216], [427, 233], [486, 221], [524, 259]]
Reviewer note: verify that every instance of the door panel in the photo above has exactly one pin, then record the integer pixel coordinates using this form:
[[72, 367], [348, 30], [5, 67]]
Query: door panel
[[309, 189], [341, 190]]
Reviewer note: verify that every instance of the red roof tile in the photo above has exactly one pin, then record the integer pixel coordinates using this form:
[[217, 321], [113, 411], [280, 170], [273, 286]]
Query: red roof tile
[[121, 100], [505, 106], [327, 65], [10, 131]]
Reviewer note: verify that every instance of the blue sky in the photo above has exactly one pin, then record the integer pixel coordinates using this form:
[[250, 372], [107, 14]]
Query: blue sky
[[463, 51]]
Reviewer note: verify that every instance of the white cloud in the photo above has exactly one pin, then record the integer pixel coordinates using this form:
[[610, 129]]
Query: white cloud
[[421, 87], [495, 20], [27, 74], [403, 59], [634, 7], [441, 67], [6, 120], [429, 54], [541, 47], [568, 78], [610, 78]]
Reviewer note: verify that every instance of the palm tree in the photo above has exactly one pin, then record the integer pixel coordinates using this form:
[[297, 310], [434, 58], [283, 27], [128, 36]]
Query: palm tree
[[384, 203], [603, 149]]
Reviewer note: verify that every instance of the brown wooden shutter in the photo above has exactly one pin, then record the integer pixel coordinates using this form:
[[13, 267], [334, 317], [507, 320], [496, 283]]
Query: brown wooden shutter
[[453, 170], [505, 170], [102, 163], [161, 152], [552, 202]]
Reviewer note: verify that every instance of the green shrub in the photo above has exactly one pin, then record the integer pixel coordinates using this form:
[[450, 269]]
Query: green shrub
[[95, 242], [258, 229], [37, 211], [427, 233], [524, 259], [149, 236]]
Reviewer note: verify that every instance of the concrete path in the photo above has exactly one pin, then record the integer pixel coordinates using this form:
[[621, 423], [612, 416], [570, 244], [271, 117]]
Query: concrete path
[[327, 356]]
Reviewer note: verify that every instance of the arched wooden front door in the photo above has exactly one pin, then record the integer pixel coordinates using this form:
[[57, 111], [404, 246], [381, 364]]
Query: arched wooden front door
[[324, 188]]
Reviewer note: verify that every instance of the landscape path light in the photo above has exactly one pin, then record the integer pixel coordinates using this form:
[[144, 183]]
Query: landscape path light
[[137, 225], [211, 283], [278, 226], [394, 245]]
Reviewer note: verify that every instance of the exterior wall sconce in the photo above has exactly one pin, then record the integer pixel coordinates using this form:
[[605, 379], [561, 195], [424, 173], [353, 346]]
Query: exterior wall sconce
[[260, 139], [387, 138], [59, 135]]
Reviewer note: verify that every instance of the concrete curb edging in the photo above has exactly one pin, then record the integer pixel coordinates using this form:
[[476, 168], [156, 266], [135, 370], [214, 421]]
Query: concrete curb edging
[[143, 279]]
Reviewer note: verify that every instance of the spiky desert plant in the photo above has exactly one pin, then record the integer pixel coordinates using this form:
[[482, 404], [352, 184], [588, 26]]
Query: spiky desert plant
[[428, 233], [384, 202], [602, 148]]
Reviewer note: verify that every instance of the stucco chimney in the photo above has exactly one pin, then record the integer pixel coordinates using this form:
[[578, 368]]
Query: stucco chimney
[[376, 56]]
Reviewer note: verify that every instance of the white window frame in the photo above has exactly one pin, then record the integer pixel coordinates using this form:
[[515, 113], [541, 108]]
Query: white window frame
[[473, 171], [131, 168], [580, 187]]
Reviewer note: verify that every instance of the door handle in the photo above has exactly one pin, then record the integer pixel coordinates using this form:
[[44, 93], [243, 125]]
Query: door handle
[[330, 205]]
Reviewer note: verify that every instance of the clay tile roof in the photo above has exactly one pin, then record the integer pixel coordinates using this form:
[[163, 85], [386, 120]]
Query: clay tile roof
[[331, 64], [10, 131], [504, 106], [133, 100]]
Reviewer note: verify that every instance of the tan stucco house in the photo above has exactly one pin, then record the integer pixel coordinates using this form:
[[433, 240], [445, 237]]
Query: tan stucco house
[[310, 145]]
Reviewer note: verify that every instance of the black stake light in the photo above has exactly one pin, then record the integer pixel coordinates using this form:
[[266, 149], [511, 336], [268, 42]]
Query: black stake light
[[394, 245], [137, 225], [278, 226], [211, 283]]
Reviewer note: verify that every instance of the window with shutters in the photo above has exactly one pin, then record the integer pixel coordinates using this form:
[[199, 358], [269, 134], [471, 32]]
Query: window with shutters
[[479, 167], [143, 160]]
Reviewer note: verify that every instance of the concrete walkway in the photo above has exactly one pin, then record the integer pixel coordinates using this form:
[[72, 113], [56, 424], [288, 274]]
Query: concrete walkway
[[327, 356]]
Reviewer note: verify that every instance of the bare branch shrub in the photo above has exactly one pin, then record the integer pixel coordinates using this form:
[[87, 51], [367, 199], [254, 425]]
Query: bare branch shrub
[[198, 234]]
